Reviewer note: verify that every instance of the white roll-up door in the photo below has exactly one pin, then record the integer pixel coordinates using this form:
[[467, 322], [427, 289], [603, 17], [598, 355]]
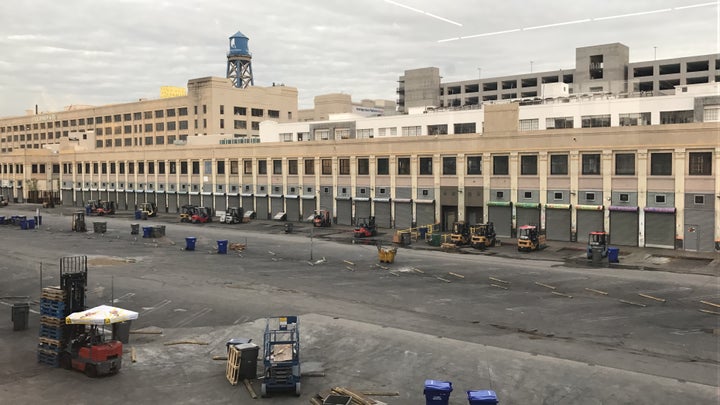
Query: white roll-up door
[[624, 228], [383, 217], [558, 224], [403, 214], [660, 229], [501, 217]]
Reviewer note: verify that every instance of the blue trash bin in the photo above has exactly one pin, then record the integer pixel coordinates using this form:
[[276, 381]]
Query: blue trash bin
[[482, 397], [190, 243], [88, 209], [222, 246], [437, 392], [23, 224], [2, 220], [30, 224], [422, 232], [138, 214], [147, 231], [613, 255]]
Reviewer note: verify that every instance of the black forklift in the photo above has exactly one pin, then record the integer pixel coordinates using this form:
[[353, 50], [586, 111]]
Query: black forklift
[[78, 221]]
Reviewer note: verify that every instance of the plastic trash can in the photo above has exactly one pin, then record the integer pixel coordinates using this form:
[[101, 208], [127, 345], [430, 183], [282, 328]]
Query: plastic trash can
[[222, 246], [422, 231], [138, 214], [613, 255], [20, 315], [437, 392], [190, 243], [2, 220], [23, 224], [99, 227], [597, 254], [405, 239], [482, 397], [134, 229], [121, 331], [288, 227], [147, 231], [435, 239], [30, 224]]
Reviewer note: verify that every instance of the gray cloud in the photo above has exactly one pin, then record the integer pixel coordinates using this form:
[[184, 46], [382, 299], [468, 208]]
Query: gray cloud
[[96, 52]]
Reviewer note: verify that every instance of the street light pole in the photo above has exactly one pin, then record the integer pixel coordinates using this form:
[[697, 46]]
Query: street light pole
[[312, 232]]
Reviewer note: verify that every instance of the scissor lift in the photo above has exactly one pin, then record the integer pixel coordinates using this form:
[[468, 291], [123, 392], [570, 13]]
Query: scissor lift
[[281, 355]]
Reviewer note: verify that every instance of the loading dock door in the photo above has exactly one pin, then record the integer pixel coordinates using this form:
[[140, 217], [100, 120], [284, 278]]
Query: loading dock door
[[660, 228], [308, 207], [624, 227], [501, 217], [589, 220], [276, 204], [527, 216], [248, 203], [234, 200], [344, 211], [67, 197], [403, 214], [424, 212], [292, 208], [382, 212], [362, 208], [162, 202], [558, 222], [195, 199], [261, 206], [220, 202]]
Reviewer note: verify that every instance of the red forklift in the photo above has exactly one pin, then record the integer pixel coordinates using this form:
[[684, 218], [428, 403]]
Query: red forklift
[[201, 215], [322, 218], [365, 228], [88, 352], [597, 240]]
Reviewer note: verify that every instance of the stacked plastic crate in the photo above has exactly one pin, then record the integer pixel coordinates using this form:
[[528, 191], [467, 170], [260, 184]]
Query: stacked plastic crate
[[52, 321]]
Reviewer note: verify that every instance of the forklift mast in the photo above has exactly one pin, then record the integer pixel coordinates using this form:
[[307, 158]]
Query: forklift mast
[[73, 281]]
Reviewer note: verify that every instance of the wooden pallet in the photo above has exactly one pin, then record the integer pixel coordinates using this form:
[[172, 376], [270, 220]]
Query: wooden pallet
[[232, 370], [52, 321], [53, 294]]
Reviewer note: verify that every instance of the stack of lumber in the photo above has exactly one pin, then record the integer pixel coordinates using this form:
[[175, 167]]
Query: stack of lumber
[[357, 397]]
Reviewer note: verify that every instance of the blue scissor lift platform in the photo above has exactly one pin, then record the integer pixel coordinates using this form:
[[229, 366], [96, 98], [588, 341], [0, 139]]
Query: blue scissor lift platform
[[281, 355]]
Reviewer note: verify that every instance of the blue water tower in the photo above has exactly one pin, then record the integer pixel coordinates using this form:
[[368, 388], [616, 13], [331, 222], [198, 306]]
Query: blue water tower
[[239, 65]]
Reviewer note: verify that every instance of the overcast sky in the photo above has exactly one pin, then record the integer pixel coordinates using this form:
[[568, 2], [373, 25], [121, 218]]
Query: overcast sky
[[57, 53]]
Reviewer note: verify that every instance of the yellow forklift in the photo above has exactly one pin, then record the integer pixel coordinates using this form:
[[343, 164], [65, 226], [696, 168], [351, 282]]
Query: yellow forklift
[[186, 212], [460, 235], [149, 209], [530, 238], [483, 236]]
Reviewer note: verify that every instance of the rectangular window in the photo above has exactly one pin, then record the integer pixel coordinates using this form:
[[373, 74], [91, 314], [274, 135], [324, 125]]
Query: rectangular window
[[590, 196], [222, 123], [677, 117], [711, 113], [364, 133], [634, 119], [148, 140], [220, 164], [342, 133], [529, 125], [699, 200], [441, 129], [277, 166], [273, 113], [151, 167], [591, 164], [344, 166], [412, 131], [239, 111], [464, 128], [159, 140], [528, 165], [171, 125], [173, 168], [292, 166], [247, 167], [309, 166], [148, 127], [700, 164], [403, 166], [426, 166], [233, 167], [624, 197], [131, 168], [501, 165], [596, 67], [383, 166], [363, 166], [659, 198], [661, 164], [557, 196], [322, 134], [141, 167], [559, 165], [326, 166], [625, 164], [449, 165], [262, 166], [256, 112], [474, 165], [593, 121]]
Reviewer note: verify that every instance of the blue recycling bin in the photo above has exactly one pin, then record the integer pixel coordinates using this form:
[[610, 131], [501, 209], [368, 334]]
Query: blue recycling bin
[[138, 214], [482, 397], [30, 224], [2, 220], [222, 246], [437, 392], [147, 231], [23, 224], [422, 231], [613, 255], [88, 209], [190, 243]]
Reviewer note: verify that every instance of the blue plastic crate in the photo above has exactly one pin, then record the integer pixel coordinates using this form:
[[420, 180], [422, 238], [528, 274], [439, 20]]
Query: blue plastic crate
[[55, 313], [51, 332], [46, 302], [51, 359]]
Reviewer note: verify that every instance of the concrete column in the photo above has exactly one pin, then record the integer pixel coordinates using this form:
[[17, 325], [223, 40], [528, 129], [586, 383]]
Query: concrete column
[[414, 173], [437, 163], [392, 170], [513, 172], [318, 168], [486, 172], [542, 171], [461, 167], [574, 171], [716, 167], [642, 166], [335, 169], [680, 165]]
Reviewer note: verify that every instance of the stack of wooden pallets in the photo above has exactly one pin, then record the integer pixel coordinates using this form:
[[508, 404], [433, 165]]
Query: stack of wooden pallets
[[52, 321]]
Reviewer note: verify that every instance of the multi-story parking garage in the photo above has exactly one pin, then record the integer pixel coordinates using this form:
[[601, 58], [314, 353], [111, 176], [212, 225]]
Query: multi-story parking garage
[[642, 168]]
